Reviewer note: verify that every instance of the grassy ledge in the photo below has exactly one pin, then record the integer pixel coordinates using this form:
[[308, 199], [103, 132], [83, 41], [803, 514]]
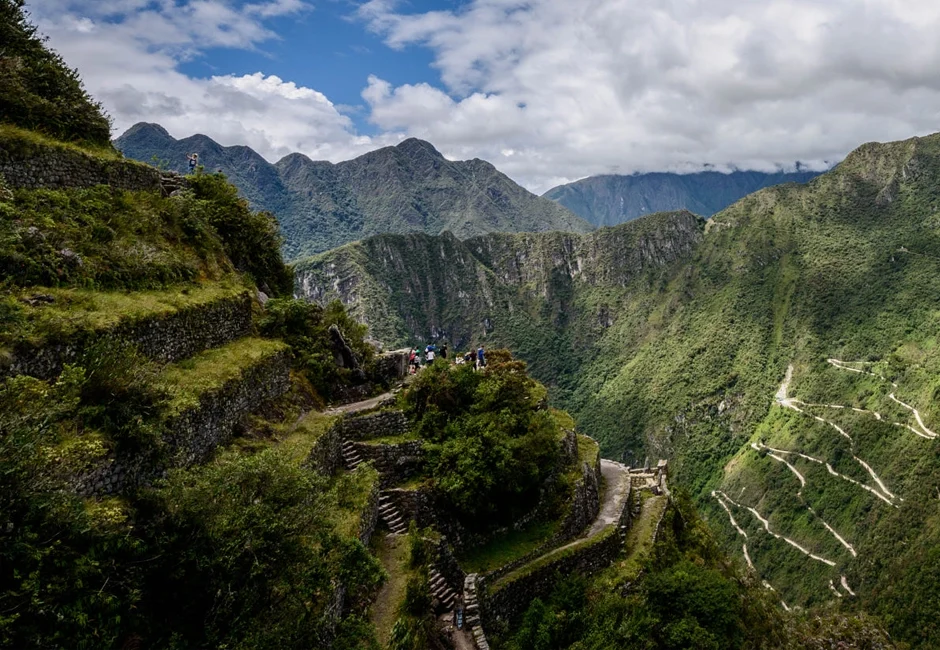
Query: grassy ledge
[[82, 310], [16, 139], [187, 380]]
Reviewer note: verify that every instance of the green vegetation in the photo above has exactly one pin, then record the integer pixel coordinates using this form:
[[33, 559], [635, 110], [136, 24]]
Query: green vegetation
[[686, 596], [664, 340], [305, 327], [415, 627], [506, 548], [491, 443], [38, 90], [251, 239], [240, 553], [186, 381], [68, 312]]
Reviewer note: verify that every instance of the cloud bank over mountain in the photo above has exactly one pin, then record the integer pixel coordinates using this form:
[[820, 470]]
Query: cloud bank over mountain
[[548, 90]]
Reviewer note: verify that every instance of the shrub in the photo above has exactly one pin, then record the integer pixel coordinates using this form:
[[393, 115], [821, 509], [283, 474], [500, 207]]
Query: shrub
[[251, 239], [491, 443], [38, 91], [305, 327]]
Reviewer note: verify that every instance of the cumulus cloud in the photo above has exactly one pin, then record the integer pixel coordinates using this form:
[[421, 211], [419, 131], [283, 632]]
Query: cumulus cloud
[[548, 90], [593, 86], [129, 52]]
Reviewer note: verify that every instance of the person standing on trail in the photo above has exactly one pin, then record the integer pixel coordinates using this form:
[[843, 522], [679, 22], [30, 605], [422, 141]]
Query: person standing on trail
[[413, 360], [481, 358], [444, 352], [430, 355], [472, 358], [193, 159]]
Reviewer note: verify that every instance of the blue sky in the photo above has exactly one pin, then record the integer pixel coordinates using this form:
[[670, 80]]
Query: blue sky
[[547, 90], [328, 49]]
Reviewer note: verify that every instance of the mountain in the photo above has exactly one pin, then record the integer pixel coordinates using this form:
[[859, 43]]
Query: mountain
[[783, 356], [610, 200], [410, 187]]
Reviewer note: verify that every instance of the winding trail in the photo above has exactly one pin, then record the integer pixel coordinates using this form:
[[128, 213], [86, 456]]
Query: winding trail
[[829, 468], [747, 556], [799, 494], [927, 432], [843, 365], [789, 402], [770, 532]]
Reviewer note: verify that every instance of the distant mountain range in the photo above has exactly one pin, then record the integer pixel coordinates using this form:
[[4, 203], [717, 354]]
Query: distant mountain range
[[612, 200], [408, 188]]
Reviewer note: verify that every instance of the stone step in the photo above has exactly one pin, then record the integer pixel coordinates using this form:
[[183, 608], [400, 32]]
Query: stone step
[[167, 326]]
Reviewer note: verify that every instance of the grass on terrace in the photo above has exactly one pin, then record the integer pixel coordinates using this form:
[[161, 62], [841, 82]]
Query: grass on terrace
[[186, 381], [84, 310], [507, 548], [639, 544]]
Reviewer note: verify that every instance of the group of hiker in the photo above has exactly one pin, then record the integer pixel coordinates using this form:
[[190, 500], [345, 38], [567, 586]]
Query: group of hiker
[[477, 358]]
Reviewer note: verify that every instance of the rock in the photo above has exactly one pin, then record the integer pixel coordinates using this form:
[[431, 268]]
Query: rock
[[39, 299], [71, 257], [263, 298]]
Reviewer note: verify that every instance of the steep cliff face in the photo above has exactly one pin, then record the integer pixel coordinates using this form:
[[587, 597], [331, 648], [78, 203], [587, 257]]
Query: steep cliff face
[[413, 288]]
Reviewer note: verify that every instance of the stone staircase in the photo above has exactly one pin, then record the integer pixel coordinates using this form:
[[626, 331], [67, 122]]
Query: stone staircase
[[391, 516], [351, 457], [171, 182], [441, 590]]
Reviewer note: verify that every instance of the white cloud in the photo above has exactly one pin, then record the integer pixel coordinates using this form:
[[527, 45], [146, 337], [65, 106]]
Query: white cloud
[[548, 90], [593, 86], [128, 53]]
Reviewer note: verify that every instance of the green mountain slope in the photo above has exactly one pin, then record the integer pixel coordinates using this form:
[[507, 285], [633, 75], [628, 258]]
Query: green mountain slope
[[684, 360], [407, 188], [612, 199]]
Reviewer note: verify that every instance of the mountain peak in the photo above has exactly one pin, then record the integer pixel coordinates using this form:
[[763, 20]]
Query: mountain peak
[[414, 147], [147, 129]]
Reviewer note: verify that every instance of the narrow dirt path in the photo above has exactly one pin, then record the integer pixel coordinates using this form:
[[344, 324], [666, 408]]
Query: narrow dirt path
[[617, 479], [747, 556], [829, 468], [766, 524], [393, 554], [799, 495], [364, 405]]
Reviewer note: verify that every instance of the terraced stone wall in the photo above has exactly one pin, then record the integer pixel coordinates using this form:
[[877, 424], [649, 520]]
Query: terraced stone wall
[[583, 509], [370, 516], [192, 436], [511, 599], [396, 462], [171, 338], [32, 166], [383, 424]]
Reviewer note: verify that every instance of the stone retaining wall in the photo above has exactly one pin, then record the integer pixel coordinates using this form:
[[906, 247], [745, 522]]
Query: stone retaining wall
[[396, 462], [326, 455], [169, 338], [511, 600], [370, 516], [29, 165], [192, 436], [383, 424], [391, 366], [514, 597], [583, 509]]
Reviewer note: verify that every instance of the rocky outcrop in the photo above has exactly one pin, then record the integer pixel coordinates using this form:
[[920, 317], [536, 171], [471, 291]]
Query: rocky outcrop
[[417, 287]]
